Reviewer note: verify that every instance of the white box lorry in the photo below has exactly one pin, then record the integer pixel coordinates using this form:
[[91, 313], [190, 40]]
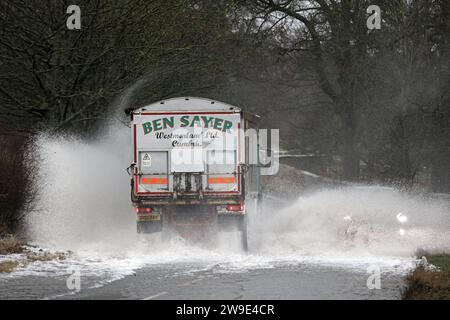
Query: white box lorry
[[194, 168]]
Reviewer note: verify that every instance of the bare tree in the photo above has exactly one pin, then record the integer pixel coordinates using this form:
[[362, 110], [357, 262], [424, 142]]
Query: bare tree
[[334, 33], [60, 79]]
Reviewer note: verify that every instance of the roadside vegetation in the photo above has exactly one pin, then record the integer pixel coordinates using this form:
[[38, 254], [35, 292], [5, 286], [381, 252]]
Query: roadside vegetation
[[427, 283], [8, 266], [16, 195], [25, 255], [10, 244]]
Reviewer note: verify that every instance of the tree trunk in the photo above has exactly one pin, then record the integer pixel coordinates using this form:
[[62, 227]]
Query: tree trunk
[[440, 171], [402, 169], [440, 161], [350, 156]]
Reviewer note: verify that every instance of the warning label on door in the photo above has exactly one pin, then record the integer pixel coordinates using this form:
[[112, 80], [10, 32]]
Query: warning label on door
[[146, 160]]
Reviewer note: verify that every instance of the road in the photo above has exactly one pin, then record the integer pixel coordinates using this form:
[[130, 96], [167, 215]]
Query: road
[[326, 245], [216, 278]]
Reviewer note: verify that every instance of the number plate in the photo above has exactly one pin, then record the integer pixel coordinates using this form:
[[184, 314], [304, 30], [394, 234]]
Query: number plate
[[150, 217]]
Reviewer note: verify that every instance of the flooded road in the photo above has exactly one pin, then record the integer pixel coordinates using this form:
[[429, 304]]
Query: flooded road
[[205, 275], [304, 250], [323, 244]]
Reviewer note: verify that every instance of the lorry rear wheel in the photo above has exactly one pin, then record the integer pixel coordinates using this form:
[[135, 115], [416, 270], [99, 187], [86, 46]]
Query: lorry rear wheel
[[234, 223]]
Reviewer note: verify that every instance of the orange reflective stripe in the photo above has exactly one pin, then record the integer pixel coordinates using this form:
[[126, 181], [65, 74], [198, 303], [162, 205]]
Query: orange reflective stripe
[[154, 180], [218, 180]]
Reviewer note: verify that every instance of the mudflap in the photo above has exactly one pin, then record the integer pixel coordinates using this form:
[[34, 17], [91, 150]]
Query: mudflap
[[146, 227], [193, 223], [238, 222]]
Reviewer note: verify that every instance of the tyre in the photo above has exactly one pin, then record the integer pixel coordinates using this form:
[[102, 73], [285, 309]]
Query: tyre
[[233, 223]]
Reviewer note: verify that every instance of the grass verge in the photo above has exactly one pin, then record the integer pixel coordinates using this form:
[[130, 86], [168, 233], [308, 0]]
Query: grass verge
[[426, 283], [10, 244], [8, 266]]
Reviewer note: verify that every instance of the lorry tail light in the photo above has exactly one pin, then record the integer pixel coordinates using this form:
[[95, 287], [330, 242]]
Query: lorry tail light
[[143, 210], [236, 207]]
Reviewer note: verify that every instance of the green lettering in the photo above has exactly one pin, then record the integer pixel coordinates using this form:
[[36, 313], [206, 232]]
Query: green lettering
[[227, 125], [184, 121], [157, 124], [217, 123], [207, 121], [168, 122], [147, 127], [196, 119]]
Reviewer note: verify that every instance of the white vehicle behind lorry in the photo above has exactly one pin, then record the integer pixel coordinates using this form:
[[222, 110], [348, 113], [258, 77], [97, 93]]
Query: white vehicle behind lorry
[[192, 170]]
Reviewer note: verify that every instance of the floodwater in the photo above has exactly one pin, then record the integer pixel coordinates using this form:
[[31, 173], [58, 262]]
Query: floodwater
[[323, 245]]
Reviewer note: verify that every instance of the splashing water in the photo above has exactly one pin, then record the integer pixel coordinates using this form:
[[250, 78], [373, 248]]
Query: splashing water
[[84, 206], [356, 222], [83, 193]]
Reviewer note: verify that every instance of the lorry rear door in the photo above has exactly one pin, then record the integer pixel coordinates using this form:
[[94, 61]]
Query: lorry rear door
[[222, 175], [153, 171], [187, 152]]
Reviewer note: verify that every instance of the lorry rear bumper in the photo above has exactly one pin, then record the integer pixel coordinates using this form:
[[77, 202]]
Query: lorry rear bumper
[[193, 222], [169, 200]]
